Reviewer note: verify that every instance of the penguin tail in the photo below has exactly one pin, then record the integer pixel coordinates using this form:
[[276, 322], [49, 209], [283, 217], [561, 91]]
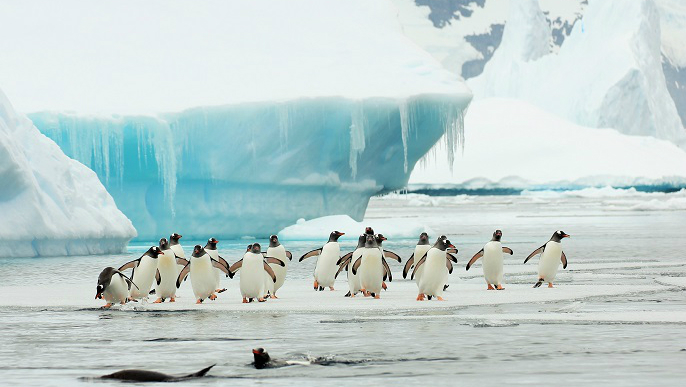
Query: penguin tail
[[539, 283], [152, 291], [445, 287], [348, 294], [200, 373]]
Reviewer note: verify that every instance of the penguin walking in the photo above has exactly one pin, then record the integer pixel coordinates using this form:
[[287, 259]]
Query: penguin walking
[[420, 250], [167, 273], [434, 277], [277, 257], [551, 256], [346, 262], [143, 272], [253, 266], [493, 261], [113, 286], [176, 246], [370, 267], [386, 254], [211, 248], [201, 269], [329, 254]]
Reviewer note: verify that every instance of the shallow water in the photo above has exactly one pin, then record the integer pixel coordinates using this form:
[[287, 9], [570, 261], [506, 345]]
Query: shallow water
[[623, 338]]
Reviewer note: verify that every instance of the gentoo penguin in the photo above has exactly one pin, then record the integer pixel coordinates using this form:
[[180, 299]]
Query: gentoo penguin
[[143, 272], [167, 272], [202, 274], [253, 266], [551, 256], [493, 261], [386, 254], [422, 247], [263, 360], [277, 257], [346, 262], [152, 376], [175, 246], [435, 275], [211, 248], [114, 286], [370, 268], [329, 254]]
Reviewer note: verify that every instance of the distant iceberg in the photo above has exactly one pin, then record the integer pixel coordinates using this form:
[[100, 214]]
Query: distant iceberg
[[51, 204]]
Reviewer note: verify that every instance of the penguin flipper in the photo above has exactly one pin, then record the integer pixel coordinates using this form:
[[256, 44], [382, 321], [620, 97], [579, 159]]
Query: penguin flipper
[[182, 276], [127, 279], [275, 261], [356, 265], [421, 262], [220, 266], [181, 261], [269, 271], [200, 373], [392, 255], [289, 255], [387, 271], [537, 251], [222, 261], [344, 258], [157, 276], [449, 265], [310, 254], [475, 258], [451, 257], [507, 250], [563, 257], [408, 265], [342, 265], [234, 268], [130, 265]]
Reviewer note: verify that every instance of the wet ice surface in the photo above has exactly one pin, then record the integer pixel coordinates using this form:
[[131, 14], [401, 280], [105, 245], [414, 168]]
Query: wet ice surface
[[617, 316]]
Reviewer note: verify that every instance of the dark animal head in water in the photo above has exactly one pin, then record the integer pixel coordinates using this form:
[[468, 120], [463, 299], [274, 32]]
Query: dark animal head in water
[[261, 358]]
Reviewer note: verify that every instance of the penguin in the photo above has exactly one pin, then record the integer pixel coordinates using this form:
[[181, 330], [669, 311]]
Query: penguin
[[153, 376], [386, 254], [370, 268], [551, 256], [347, 261], [252, 282], [493, 261], [143, 272], [422, 247], [113, 286], [211, 248], [201, 270], [433, 279], [167, 273], [329, 254], [263, 360], [175, 246], [277, 257]]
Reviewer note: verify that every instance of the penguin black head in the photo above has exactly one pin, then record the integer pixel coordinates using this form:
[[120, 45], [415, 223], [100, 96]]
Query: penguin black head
[[423, 239], [497, 235], [558, 236], [174, 239], [104, 280], [333, 237], [274, 241], [212, 244], [443, 243], [164, 244], [368, 230], [248, 248], [370, 241], [198, 251], [361, 240], [380, 238], [153, 252], [261, 357], [256, 248]]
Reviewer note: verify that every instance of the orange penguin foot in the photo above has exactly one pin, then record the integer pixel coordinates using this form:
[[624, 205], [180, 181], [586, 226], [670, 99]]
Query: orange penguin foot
[[158, 301], [420, 297], [376, 296], [331, 288], [500, 287], [172, 299], [245, 300], [107, 306], [260, 299], [490, 287], [439, 298], [213, 297], [384, 286], [220, 290], [550, 284], [199, 301], [316, 285], [274, 296]]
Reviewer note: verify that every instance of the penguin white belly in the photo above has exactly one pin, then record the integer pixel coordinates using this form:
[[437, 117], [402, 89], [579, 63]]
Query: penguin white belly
[[493, 263], [202, 277], [325, 270], [354, 279], [178, 250], [252, 281], [419, 252], [435, 274], [550, 261], [169, 271], [278, 252], [371, 270], [117, 290], [268, 287], [143, 276]]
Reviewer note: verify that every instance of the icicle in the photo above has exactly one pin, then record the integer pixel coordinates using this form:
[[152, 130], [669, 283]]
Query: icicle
[[284, 124], [163, 147], [357, 141], [404, 128]]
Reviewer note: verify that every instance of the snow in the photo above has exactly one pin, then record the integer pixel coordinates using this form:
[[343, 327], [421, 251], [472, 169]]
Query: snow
[[512, 143], [608, 74], [673, 30], [314, 229], [51, 204]]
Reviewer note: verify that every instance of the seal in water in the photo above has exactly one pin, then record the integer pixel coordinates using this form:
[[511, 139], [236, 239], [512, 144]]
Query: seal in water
[[153, 376]]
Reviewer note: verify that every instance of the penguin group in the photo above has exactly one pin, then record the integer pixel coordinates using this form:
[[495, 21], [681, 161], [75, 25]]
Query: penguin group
[[162, 269]]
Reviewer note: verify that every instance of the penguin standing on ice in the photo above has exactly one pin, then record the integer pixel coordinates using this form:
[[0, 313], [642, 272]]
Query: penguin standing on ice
[[420, 250], [167, 273], [253, 266], [551, 256], [370, 268], [493, 261], [211, 248], [435, 275], [143, 272], [346, 262], [201, 269], [329, 254], [114, 286], [386, 254], [175, 246], [277, 257]]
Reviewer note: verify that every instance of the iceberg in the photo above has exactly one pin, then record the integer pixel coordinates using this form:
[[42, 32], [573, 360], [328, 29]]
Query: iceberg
[[50, 204], [204, 122]]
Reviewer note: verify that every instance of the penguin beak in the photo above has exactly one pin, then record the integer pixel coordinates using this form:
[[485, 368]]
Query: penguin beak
[[255, 352], [566, 236], [451, 245]]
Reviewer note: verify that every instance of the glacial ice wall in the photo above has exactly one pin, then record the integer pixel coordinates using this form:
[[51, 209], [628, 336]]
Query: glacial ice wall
[[50, 204], [254, 168]]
